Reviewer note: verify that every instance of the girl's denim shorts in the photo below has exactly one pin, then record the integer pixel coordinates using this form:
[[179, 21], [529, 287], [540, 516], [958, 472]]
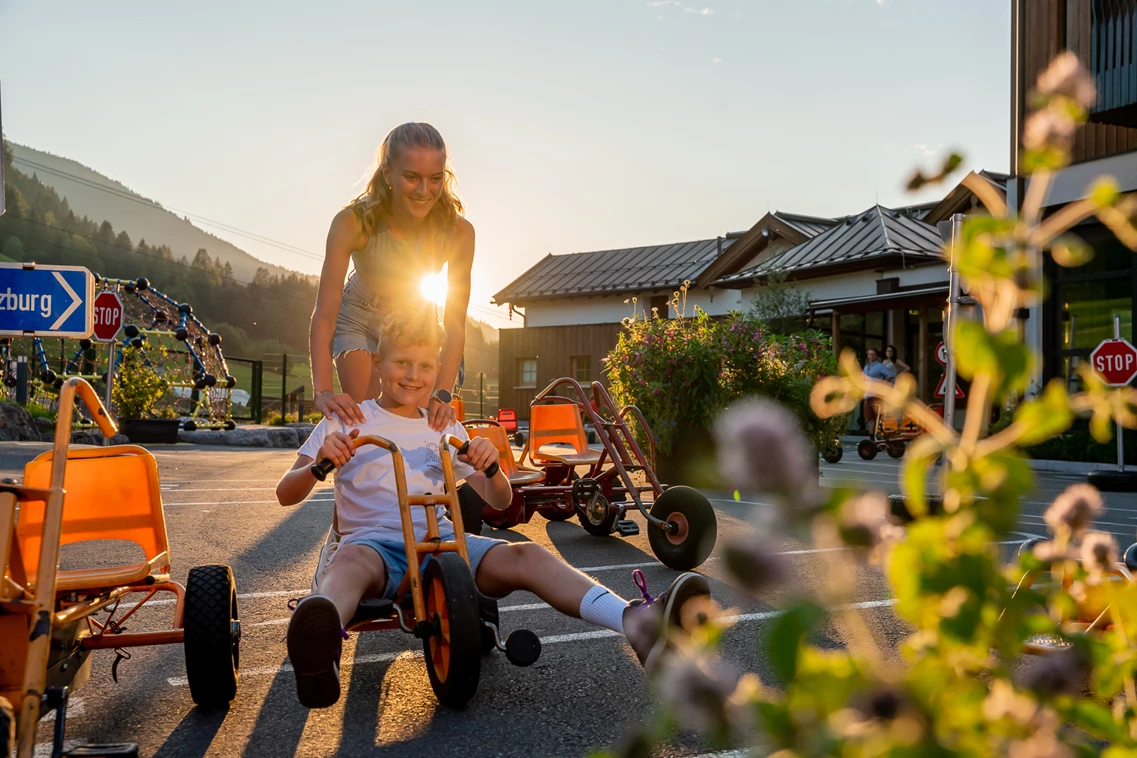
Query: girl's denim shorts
[[358, 322]]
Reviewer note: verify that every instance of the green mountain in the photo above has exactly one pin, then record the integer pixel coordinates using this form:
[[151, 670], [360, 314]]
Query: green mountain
[[95, 196]]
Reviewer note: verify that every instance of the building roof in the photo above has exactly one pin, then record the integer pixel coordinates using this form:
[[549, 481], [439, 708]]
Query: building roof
[[810, 226], [632, 269], [878, 233]]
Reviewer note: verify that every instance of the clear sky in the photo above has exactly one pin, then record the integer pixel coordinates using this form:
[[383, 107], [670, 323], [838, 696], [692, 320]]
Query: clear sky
[[573, 125]]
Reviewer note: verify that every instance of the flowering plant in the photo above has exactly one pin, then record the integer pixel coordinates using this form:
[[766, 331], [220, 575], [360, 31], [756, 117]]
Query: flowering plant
[[959, 683], [683, 371]]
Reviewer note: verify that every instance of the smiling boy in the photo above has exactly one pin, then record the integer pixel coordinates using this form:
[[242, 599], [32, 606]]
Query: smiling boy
[[369, 559]]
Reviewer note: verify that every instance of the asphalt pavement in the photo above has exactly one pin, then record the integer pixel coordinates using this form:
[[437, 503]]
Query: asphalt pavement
[[587, 691]]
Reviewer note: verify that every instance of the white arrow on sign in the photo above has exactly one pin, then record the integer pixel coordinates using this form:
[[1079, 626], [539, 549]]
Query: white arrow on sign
[[76, 301]]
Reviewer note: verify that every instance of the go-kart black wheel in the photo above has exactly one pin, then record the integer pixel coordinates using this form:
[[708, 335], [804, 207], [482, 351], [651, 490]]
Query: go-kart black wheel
[[895, 449], [1130, 558], [834, 453], [1112, 480], [453, 651], [599, 517], [556, 514], [866, 449], [471, 504], [696, 529], [212, 635], [523, 648], [519, 438], [560, 514], [490, 614]]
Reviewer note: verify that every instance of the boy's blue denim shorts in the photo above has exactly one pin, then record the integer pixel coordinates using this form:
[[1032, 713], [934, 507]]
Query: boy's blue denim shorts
[[394, 556]]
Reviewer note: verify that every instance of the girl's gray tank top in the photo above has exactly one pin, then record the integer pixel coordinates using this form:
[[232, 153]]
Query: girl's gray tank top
[[389, 270]]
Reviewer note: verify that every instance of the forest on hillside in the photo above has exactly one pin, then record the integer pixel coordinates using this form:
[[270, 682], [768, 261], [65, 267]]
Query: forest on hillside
[[269, 314]]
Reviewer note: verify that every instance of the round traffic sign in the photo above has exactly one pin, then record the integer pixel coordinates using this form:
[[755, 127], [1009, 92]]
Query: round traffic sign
[[1115, 361], [108, 316], [941, 354]]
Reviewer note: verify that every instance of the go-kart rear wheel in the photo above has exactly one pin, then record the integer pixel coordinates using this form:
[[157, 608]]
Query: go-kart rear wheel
[[696, 529], [833, 453], [599, 517], [453, 651], [212, 635], [866, 449], [895, 449], [559, 514]]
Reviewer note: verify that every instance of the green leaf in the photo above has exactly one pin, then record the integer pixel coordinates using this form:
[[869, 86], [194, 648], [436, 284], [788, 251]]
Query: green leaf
[[1069, 250], [1046, 416], [1096, 719], [787, 633], [977, 350], [1104, 192], [921, 454]]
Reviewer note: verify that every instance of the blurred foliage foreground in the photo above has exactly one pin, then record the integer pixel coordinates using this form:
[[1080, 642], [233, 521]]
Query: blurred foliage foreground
[[959, 683]]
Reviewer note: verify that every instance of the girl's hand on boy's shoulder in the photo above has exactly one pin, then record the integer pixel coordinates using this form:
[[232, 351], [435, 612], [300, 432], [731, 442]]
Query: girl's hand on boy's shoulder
[[480, 454], [338, 447]]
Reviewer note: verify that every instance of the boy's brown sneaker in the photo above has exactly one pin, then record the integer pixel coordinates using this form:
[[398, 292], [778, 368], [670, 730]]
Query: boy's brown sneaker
[[315, 642], [649, 623]]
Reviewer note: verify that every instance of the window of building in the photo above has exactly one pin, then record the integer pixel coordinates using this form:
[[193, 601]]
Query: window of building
[[1084, 301], [659, 304], [581, 366], [527, 372]]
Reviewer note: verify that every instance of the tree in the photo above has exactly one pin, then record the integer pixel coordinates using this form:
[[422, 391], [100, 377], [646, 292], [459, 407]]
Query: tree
[[780, 304]]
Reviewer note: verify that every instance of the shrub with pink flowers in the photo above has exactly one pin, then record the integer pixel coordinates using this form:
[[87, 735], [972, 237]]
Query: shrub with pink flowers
[[682, 372]]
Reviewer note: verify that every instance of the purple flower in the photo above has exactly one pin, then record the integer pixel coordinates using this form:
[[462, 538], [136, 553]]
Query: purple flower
[[761, 447]]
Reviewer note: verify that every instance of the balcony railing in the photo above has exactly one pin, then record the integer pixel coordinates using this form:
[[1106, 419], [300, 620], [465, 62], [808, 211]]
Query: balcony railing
[[1113, 61]]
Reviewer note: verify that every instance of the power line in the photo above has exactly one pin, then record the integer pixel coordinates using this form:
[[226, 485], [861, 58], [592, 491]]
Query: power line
[[155, 206]]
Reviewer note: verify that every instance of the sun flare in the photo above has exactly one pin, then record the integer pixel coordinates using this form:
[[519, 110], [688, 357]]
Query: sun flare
[[433, 288]]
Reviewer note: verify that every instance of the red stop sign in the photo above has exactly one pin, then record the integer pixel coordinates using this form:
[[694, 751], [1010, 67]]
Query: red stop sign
[[108, 316], [1115, 361]]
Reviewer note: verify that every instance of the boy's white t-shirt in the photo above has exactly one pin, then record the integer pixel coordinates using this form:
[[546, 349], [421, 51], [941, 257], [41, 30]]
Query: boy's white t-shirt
[[367, 503]]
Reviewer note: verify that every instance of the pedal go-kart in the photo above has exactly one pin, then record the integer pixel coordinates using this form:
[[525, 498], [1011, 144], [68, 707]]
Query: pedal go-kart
[[681, 522], [890, 435], [48, 624], [1093, 609], [456, 623]]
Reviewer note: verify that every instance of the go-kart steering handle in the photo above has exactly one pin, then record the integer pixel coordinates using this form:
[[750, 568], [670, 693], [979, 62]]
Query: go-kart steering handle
[[325, 466]]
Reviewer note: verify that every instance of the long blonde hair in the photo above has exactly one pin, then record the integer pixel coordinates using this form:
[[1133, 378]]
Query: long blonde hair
[[374, 203]]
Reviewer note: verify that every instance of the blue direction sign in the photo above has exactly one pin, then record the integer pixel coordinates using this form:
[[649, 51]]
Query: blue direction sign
[[46, 301]]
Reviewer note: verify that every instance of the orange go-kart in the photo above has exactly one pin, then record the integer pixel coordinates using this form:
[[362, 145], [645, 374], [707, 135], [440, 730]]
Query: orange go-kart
[[681, 522], [456, 623], [891, 435], [50, 618], [1093, 613]]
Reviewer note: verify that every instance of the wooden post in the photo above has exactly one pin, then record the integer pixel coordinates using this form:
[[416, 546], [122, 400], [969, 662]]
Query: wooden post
[[922, 352]]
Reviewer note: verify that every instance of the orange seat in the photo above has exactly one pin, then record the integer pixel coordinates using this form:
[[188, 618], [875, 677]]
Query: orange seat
[[496, 434], [559, 424], [459, 406], [112, 493]]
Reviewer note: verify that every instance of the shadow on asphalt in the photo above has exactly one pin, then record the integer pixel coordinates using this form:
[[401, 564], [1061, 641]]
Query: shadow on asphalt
[[194, 734], [282, 733]]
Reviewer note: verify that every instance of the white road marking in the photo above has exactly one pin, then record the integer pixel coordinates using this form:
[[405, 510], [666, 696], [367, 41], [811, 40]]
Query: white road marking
[[252, 502], [181, 681], [1095, 522], [241, 489]]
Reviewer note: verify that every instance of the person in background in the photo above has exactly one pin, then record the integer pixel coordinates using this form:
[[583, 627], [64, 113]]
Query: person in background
[[874, 369], [892, 361]]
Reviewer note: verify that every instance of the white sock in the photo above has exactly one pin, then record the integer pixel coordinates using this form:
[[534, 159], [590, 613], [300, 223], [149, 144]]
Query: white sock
[[603, 608]]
